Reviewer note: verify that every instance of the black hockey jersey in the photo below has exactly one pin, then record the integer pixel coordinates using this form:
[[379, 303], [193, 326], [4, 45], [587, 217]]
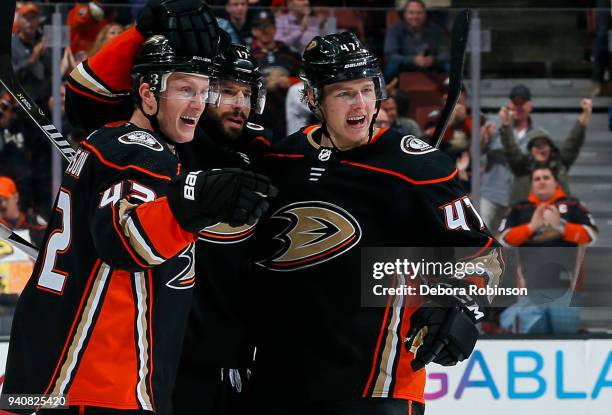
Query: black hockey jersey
[[316, 341], [103, 316], [218, 334]]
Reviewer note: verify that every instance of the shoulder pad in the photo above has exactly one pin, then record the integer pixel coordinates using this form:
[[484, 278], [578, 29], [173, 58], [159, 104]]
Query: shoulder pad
[[410, 144], [129, 145], [141, 138], [414, 157]]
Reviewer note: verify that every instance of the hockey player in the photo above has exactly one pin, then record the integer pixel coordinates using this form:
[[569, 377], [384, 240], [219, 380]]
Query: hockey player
[[217, 350], [344, 185], [104, 313]]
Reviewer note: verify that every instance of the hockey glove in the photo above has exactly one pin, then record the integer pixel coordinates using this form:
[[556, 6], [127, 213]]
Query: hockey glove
[[189, 24], [443, 330], [441, 335], [232, 196]]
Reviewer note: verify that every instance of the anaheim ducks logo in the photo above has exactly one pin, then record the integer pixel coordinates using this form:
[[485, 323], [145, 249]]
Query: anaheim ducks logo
[[317, 232], [222, 233]]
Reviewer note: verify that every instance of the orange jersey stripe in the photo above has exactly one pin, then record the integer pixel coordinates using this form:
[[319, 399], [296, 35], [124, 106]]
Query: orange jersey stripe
[[311, 128], [77, 316], [408, 384], [291, 156], [401, 176], [162, 229], [378, 134], [383, 329], [107, 372]]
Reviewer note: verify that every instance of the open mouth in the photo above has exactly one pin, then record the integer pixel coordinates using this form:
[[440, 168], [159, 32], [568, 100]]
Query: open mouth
[[189, 120], [357, 121], [236, 122]]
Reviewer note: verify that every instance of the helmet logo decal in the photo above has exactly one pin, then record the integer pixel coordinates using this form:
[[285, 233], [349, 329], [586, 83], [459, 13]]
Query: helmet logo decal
[[412, 145], [311, 45], [317, 232], [325, 154]]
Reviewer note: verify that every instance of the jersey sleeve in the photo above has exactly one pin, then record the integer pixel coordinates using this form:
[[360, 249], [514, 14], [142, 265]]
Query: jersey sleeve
[[129, 218], [456, 223], [580, 228], [98, 89], [513, 232]]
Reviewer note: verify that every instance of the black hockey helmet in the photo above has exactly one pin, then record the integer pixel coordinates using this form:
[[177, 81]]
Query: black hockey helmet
[[336, 58], [339, 57], [158, 58], [237, 63]]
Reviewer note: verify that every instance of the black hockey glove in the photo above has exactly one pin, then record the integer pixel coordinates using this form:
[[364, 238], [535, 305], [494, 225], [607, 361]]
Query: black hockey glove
[[441, 335], [443, 330], [189, 24], [232, 196]]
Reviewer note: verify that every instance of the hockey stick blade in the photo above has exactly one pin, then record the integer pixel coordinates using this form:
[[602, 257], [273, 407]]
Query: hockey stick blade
[[29, 107], [460, 32], [18, 241]]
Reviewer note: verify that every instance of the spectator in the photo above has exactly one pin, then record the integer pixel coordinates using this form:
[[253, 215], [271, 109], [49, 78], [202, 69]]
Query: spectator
[[497, 178], [85, 21], [270, 52], [298, 113], [382, 119], [402, 99], [32, 226], [28, 52], [541, 149], [299, 26], [545, 227], [236, 21], [107, 33], [408, 125], [14, 156], [414, 44]]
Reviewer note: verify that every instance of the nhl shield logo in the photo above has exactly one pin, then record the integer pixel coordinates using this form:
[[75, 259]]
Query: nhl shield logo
[[412, 145], [325, 154]]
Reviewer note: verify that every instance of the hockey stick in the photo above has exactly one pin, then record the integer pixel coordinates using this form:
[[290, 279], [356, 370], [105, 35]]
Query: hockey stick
[[35, 114], [18, 241], [10, 83], [459, 37]]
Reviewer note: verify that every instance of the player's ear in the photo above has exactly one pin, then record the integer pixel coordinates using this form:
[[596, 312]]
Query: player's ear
[[149, 103], [310, 97]]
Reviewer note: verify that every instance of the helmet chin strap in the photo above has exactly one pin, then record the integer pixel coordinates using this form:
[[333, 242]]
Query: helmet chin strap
[[154, 121]]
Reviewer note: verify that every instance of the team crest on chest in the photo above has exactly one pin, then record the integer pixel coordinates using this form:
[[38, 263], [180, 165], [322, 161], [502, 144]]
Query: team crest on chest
[[141, 138], [412, 145], [317, 232]]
